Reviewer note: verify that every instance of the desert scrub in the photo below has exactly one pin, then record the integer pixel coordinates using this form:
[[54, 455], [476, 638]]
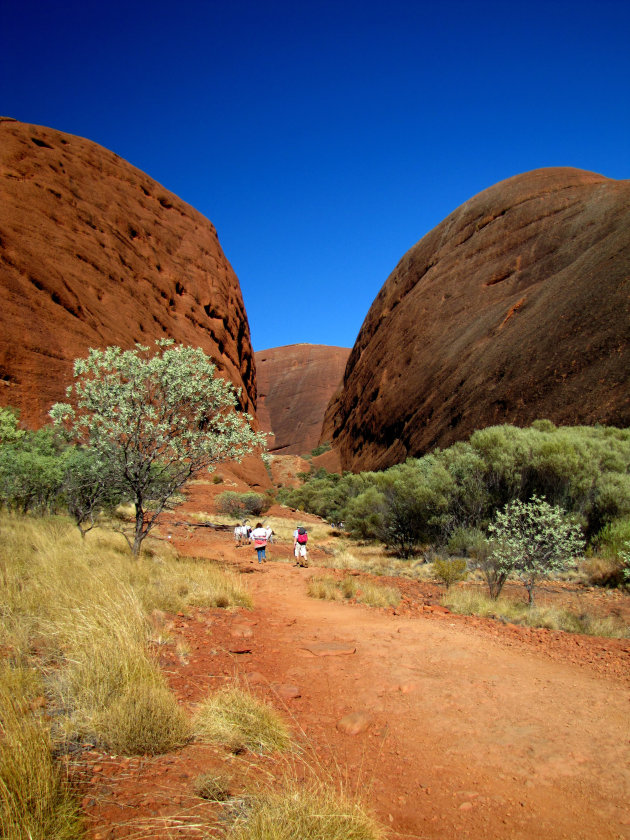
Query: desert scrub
[[239, 721], [215, 787], [35, 802], [450, 570], [329, 588], [469, 602], [305, 813]]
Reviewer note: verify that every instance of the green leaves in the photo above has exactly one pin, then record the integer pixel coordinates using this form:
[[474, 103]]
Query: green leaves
[[157, 418], [534, 540]]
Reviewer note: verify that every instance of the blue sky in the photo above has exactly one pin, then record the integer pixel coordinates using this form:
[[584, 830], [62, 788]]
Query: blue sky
[[323, 139]]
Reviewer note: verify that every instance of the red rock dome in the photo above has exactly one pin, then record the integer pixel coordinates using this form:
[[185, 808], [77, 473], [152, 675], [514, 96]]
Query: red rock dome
[[515, 307], [93, 252]]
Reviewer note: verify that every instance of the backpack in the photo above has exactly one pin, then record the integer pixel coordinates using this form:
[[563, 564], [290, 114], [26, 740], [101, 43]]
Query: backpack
[[302, 536]]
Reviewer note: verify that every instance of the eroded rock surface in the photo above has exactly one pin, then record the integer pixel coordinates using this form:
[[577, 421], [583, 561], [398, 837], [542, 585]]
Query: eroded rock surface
[[295, 384], [93, 252], [516, 307]]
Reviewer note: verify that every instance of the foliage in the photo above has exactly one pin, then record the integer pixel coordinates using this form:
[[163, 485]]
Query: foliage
[[585, 470], [625, 559], [240, 505], [450, 570], [89, 485], [157, 420], [533, 540], [31, 472]]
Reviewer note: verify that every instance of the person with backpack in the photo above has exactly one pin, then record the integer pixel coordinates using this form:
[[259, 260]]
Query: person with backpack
[[259, 538], [300, 538]]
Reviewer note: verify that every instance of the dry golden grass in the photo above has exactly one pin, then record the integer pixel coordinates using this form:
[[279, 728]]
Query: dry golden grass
[[472, 602], [304, 812], [239, 721], [35, 802], [366, 592], [82, 605]]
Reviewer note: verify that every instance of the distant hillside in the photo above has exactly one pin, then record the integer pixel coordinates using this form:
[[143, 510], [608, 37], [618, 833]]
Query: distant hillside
[[295, 384], [94, 252], [515, 307]]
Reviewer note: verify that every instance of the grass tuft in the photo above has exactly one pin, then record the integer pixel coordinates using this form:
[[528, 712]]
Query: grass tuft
[[213, 787], [240, 721], [307, 814], [329, 588]]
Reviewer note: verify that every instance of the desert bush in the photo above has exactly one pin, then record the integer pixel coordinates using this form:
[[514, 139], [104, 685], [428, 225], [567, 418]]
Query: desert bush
[[305, 812], [217, 478], [606, 571], [450, 570], [533, 540], [238, 505], [613, 537], [35, 801], [239, 721], [324, 587], [467, 542]]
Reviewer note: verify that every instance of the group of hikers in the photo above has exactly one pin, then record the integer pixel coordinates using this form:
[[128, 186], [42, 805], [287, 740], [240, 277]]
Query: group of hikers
[[261, 535]]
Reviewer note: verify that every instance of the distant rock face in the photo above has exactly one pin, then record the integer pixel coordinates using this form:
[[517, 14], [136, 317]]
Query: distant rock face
[[93, 252], [295, 384], [516, 307]]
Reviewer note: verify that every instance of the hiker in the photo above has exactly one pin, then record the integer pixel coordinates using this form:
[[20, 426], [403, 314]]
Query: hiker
[[259, 538], [241, 534], [300, 538]]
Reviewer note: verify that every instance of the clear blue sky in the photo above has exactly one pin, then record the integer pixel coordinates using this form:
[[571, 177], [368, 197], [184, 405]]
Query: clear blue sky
[[323, 139]]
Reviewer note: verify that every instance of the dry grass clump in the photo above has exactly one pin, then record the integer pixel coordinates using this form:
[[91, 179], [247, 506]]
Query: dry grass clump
[[329, 588], [35, 803], [374, 559], [73, 601], [239, 721], [213, 787], [471, 602], [304, 813]]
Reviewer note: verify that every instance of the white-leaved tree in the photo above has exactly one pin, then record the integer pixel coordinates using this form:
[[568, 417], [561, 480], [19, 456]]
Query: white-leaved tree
[[157, 418], [533, 540]]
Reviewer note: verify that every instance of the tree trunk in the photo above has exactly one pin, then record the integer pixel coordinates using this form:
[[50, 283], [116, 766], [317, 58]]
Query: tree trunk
[[139, 535]]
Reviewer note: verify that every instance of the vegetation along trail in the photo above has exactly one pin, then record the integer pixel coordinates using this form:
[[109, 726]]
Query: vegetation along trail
[[459, 735]]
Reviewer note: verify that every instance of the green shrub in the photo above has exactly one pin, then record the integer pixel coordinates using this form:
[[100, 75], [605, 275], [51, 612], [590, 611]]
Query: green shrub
[[533, 540], [239, 505], [450, 570]]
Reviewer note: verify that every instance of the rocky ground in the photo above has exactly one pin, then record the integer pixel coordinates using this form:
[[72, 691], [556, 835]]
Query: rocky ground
[[447, 726]]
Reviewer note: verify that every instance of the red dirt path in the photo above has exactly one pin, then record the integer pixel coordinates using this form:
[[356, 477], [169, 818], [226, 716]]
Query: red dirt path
[[472, 729]]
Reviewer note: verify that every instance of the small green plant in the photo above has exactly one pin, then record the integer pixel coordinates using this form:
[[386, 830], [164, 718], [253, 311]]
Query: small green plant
[[450, 570], [217, 478], [625, 560], [239, 721], [533, 540]]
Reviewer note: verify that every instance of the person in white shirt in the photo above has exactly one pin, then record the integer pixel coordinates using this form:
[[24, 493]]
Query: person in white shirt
[[259, 538]]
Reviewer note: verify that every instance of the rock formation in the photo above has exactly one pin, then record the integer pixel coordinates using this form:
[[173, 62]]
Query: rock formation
[[515, 307], [93, 252], [295, 384]]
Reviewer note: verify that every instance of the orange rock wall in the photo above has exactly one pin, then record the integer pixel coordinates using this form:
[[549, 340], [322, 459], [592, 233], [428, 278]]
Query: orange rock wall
[[93, 252], [516, 307], [295, 384]]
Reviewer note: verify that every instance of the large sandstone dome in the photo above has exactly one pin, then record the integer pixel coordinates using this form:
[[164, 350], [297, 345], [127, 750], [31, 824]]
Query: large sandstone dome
[[93, 252], [295, 384], [515, 307]]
